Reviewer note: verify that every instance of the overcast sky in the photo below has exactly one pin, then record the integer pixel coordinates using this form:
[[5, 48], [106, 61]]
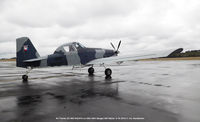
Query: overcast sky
[[140, 24]]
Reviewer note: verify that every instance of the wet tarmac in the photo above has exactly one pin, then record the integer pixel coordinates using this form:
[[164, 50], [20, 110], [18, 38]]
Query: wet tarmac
[[145, 91]]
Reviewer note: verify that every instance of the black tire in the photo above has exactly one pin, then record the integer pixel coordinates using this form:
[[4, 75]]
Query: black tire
[[25, 78], [108, 72], [91, 71]]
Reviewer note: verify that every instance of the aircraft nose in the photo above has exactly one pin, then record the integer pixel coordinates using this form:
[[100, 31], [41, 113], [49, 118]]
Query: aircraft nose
[[109, 53], [116, 52]]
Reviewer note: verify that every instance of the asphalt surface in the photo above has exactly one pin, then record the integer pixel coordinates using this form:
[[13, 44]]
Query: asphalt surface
[[145, 91]]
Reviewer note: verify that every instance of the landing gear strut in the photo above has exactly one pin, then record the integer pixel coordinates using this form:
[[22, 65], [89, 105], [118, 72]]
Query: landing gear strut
[[91, 71], [25, 76]]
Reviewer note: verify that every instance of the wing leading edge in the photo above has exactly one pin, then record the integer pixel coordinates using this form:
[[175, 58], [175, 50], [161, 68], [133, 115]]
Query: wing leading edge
[[116, 59]]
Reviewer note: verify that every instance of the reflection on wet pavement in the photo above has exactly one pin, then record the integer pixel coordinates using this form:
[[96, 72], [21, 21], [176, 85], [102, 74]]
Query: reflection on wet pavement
[[155, 90]]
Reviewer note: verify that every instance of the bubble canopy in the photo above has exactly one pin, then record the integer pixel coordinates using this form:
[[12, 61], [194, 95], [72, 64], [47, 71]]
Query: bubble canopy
[[68, 47]]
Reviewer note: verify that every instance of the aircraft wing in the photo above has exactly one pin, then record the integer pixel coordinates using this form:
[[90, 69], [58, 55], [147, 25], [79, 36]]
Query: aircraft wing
[[116, 59]]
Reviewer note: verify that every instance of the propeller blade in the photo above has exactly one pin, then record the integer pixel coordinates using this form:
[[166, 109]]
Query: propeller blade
[[112, 46], [119, 45]]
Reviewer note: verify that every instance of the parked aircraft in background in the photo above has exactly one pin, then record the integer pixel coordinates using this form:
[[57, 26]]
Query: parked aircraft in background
[[73, 54]]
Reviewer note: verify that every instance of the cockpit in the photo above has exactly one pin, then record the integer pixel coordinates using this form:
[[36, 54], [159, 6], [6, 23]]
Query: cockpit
[[69, 47], [78, 45]]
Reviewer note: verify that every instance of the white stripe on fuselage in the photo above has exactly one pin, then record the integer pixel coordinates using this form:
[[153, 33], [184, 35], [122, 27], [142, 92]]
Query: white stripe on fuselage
[[99, 53], [73, 58]]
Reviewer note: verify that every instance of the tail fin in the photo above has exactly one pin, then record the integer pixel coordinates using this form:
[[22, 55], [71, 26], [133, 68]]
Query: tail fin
[[25, 51]]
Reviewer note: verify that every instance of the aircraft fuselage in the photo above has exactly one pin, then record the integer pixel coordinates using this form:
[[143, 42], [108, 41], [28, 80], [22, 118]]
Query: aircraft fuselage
[[80, 57]]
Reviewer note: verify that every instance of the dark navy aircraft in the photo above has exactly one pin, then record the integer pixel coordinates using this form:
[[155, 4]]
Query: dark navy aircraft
[[72, 54]]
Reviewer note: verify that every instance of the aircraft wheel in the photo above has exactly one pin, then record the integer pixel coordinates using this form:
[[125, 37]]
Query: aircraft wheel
[[108, 72], [91, 71], [25, 78]]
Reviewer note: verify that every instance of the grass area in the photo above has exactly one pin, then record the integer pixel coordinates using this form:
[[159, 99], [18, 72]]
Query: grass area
[[156, 59], [169, 59], [5, 60]]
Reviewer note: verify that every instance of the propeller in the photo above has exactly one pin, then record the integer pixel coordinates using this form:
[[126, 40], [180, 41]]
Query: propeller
[[112, 45], [116, 51]]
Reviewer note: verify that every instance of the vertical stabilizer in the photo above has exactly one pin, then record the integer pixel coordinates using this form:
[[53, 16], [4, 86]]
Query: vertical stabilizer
[[25, 51]]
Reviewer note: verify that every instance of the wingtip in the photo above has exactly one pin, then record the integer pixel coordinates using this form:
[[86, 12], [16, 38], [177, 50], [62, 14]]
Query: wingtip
[[179, 50]]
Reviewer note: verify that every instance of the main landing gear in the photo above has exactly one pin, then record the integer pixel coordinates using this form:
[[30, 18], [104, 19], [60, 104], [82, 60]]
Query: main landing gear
[[108, 72], [91, 71]]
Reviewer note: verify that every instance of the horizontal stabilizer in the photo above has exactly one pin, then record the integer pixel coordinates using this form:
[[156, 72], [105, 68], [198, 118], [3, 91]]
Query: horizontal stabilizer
[[35, 59]]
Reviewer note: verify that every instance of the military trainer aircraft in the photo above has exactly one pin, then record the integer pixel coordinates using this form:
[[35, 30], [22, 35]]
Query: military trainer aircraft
[[73, 54]]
